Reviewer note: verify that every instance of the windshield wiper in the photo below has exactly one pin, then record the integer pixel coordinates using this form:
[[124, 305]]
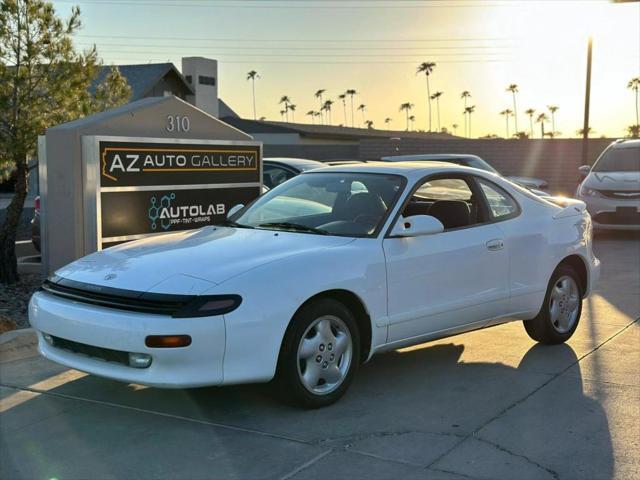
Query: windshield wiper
[[295, 226], [230, 223]]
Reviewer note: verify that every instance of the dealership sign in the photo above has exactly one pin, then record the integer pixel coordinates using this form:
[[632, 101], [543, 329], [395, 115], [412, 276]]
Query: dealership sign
[[152, 186]]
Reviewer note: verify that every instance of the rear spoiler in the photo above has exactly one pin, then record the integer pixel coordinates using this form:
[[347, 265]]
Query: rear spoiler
[[570, 206]]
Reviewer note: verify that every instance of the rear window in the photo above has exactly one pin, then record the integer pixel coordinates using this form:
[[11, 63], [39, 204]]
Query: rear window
[[618, 160]]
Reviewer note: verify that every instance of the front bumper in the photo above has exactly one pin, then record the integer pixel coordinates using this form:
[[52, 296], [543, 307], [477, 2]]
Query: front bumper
[[199, 364], [613, 214]]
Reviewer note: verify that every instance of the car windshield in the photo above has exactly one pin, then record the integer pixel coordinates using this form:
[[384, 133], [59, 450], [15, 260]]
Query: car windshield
[[619, 160], [343, 204]]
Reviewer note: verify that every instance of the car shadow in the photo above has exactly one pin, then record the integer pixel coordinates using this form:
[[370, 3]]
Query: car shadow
[[427, 389]]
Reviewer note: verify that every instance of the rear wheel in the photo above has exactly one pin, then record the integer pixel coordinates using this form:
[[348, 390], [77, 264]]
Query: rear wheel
[[561, 311], [319, 354]]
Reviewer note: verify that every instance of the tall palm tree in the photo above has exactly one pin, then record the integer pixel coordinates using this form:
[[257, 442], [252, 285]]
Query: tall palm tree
[[252, 75], [286, 100], [412, 119], [530, 112], [541, 119], [427, 69], [507, 113], [351, 92], [553, 109], [436, 96], [318, 95], [454, 127], [343, 98], [362, 108], [387, 121], [407, 108], [327, 107], [311, 114], [464, 96], [292, 108], [369, 124], [469, 111], [513, 88], [634, 84]]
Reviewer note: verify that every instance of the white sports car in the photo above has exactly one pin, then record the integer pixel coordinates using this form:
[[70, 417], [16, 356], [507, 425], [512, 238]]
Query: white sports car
[[319, 274]]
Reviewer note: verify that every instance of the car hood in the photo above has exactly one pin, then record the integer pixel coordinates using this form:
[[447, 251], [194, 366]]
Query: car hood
[[193, 261], [613, 180]]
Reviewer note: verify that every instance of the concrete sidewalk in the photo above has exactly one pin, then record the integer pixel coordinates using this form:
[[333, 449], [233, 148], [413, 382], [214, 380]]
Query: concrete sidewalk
[[488, 404]]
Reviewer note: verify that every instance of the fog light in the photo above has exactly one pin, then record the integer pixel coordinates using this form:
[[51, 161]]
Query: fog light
[[48, 338], [139, 360], [167, 341]]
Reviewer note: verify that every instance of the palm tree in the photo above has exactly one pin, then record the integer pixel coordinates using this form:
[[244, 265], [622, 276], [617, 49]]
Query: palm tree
[[541, 119], [513, 88], [318, 95], [465, 95], [507, 113], [343, 98], [317, 114], [590, 131], [286, 100], [469, 111], [633, 131], [311, 114], [262, 119], [369, 124], [530, 112], [362, 108], [407, 108], [553, 109], [634, 84], [427, 69], [436, 96], [292, 107], [252, 75], [351, 94], [327, 107], [282, 112], [454, 127], [412, 119], [387, 121]]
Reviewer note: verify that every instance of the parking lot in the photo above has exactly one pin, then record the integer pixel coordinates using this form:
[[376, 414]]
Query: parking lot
[[488, 404]]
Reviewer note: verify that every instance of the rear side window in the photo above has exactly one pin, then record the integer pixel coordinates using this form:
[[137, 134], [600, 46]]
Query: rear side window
[[501, 205]]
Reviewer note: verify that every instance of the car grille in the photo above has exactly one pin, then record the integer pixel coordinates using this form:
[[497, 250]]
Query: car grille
[[161, 304], [617, 218], [621, 195], [106, 354]]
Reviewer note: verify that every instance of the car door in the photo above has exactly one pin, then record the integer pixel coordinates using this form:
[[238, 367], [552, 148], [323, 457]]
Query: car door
[[451, 279]]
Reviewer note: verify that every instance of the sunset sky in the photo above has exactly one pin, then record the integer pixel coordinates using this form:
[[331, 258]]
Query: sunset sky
[[374, 46]]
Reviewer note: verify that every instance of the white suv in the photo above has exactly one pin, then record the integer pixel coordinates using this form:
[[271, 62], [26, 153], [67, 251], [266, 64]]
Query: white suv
[[611, 188]]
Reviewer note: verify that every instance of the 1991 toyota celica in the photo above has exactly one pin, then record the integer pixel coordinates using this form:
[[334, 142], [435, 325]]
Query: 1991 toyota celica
[[319, 274]]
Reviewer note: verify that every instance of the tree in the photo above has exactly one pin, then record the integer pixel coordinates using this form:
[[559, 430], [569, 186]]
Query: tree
[[407, 108], [286, 100], [262, 119], [633, 131], [454, 127], [553, 109], [369, 124], [327, 108], [634, 84], [351, 94], [387, 121], [513, 88], [343, 99], [541, 119], [43, 82], [282, 112], [436, 96], [252, 75], [469, 111], [580, 132], [292, 109], [362, 108], [427, 69], [507, 113], [464, 96], [311, 114], [412, 119], [530, 112], [318, 95]]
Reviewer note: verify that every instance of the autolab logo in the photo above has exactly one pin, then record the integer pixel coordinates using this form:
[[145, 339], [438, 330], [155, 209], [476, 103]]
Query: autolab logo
[[166, 212]]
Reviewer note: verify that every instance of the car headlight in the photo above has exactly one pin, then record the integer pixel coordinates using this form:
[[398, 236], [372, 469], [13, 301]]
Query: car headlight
[[589, 192], [209, 305]]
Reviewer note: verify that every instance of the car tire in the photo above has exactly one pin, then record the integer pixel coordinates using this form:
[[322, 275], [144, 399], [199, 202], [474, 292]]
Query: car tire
[[560, 313], [319, 355]]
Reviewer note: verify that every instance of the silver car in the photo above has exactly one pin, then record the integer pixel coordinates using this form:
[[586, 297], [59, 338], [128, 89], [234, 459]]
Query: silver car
[[611, 188]]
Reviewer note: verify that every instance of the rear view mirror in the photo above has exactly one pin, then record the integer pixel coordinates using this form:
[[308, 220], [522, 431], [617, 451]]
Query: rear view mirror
[[584, 170], [417, 225], [235, 209]]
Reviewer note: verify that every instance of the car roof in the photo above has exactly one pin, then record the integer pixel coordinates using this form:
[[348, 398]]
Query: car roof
[[627, 144], [429, 156], [297, 163], [407, 169]]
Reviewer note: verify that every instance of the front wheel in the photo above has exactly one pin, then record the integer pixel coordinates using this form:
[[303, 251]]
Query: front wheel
[[561, 311], [319, 354]]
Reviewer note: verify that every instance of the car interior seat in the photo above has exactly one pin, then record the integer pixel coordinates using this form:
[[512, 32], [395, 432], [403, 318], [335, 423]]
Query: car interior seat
[[452, 213]]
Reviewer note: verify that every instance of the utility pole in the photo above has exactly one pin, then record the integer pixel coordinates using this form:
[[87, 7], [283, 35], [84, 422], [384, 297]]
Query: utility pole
[[587, 97]]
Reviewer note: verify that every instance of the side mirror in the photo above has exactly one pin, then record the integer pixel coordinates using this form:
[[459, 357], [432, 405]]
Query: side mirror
[[235, 209], [417, 225], [584, 170]]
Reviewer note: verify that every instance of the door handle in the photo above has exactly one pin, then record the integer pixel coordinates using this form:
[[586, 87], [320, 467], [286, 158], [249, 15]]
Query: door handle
[[495, 244]]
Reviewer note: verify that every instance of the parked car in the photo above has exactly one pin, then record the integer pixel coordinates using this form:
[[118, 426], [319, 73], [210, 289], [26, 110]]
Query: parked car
[[35, 224], [611, 188], [277, 170], [391, 255], [471, 161]]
